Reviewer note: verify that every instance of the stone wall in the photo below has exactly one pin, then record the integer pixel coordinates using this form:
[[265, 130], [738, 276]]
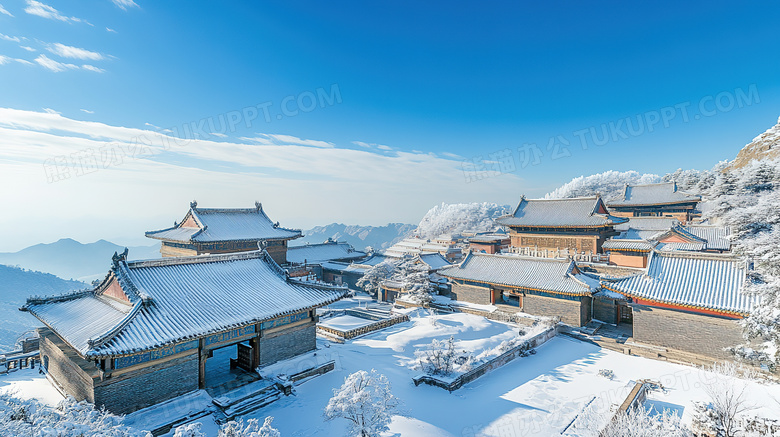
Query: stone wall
[[287, 343], [470, 293], [695, 333], [571, 312], [129, 391], [66, 367]]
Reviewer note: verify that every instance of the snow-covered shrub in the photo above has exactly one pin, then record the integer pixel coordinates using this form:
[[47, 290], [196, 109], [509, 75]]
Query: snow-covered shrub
[[252, 429], [366, 401], [189, 430], [441, 358], [69, 418], [460, 217], [640, 422], [726, 387], [606, 373]]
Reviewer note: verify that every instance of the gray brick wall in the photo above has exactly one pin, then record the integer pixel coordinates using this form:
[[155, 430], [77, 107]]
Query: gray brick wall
[[131, 391], [62, 364], [695, 333], [470, 293], [287, 343], [571, 312]]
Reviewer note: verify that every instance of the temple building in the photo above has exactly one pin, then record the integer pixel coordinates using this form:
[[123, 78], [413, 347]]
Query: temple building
[[579, 225], [149, 331], [688, 302], [218, 230], [632, 247], [656, 200], [328, 251], [489, 243], [537, 286], [346, 273], [444, 245]]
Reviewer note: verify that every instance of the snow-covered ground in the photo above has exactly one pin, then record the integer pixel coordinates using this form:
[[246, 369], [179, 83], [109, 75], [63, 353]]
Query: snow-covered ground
[[345, 322], [538, 395], [29, 384]]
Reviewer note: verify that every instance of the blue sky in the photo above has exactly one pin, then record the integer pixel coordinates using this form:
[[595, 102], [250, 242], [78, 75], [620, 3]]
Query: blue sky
[[420, 87]]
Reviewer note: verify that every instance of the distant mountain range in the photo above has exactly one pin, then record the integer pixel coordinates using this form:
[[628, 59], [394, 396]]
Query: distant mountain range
[[378, 237], [69, 259], [16, 285]]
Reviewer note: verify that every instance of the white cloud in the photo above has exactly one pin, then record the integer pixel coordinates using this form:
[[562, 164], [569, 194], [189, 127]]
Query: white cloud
[[35, 7], [73, 52], [108, 29], [4, 11], [53, 65], [294, 180], [51, 111], [125, 4], [9, 38], [93, 68], [452, 155], [219, 135], [29, 49], [7, 59], [372, 145], [278, 139], [87, 111]]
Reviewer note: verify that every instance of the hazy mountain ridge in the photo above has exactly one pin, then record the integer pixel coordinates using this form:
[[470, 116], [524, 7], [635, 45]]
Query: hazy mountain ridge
[[378, 237], [16, 285], [70, 259]]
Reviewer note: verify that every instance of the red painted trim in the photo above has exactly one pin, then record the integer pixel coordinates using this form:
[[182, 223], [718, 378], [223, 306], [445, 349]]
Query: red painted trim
[[651, 303]]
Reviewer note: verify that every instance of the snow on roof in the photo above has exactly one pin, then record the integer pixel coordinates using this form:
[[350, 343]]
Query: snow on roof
[[648, 224], [227, 224], [183, 298], [653, 194], [317, 253], [374, 259], [717, 237], [434, 261], [706, 281], [554, 275], [626, 244], [574, 212], [488, 238]]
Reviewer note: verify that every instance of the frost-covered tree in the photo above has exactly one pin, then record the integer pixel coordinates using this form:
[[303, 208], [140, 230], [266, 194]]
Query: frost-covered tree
[[69, 418], [252, 429], [442, 358], [640, 422], [726, 387], [414, 278], [366, 401], [460, 217], [608, 184], [377, 274]]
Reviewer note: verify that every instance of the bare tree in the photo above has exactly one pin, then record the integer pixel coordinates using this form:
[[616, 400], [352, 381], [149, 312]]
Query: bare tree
[[726, 388], [640, 422]]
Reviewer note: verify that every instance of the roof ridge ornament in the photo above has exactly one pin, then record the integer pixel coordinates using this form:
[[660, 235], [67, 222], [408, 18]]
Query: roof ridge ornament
[[258, 206], [194, 204], [117, 258]]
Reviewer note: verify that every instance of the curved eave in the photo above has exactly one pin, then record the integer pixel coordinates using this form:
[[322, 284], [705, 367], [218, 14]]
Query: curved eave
[[678, 202], [583, 293], [680, 305], [226, 328]]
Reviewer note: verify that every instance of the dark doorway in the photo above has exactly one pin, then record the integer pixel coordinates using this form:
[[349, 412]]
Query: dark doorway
[[228, 368]]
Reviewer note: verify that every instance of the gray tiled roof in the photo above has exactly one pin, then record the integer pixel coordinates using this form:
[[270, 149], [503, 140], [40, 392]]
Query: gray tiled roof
[[708, 281], [554, 275], [317, 253], [233, 224], [653, 194], [575, 212], [177, 299]]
